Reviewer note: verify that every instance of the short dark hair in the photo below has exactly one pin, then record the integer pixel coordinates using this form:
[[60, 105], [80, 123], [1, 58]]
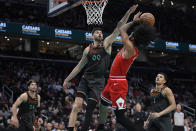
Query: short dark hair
[[143, 34], [95, 29], [165, 76], [31, 81]]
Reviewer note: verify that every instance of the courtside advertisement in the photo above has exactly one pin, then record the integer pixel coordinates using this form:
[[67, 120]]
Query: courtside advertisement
[[151, 45], [30, 30], [60, 33], [88, 36], [192, 48], [172, 45], [118, 40], [3, 27]]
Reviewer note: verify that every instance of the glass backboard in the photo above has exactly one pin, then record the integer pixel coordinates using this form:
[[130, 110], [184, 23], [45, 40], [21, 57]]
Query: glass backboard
[[56, 7]]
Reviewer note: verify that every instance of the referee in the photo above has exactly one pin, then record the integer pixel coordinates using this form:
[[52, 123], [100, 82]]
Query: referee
[[178, 119]]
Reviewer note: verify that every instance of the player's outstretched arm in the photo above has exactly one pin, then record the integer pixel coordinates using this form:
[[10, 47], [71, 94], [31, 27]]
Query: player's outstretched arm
[[171, 107], [77, 69], [39, 99], [14, 119], [110, 39], [128, 44], [136, 18], [17, 103]]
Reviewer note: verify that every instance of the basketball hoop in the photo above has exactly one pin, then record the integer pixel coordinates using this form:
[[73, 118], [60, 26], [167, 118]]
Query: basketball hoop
[[94, 11]]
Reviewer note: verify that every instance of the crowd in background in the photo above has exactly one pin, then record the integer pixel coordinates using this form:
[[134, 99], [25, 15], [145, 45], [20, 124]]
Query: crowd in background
[[57, 104]]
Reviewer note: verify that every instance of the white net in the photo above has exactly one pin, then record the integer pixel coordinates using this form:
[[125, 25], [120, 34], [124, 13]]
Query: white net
[[94, 11]]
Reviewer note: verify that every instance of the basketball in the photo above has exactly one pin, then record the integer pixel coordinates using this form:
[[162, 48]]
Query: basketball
[[148, 18]]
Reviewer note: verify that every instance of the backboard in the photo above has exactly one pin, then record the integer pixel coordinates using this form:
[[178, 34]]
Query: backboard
[[56, 7]]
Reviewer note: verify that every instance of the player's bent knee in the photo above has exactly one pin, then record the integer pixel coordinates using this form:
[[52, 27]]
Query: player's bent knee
[[76, 107]]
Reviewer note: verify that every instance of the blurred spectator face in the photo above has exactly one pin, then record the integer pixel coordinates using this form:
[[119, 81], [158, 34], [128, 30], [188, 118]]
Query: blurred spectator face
[[56, 125], [96, 110], [53, 121], [113, 121], [94, 116], [50, 109], [96, 122], [113, 126], [40, 121], [61, 127], [160, 79], [138, 107], [49, 126], [178, 108]]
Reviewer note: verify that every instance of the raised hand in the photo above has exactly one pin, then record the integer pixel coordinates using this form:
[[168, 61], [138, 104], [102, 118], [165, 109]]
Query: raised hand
[[127, 14], [137, 16], [66, 85], [133, 8]]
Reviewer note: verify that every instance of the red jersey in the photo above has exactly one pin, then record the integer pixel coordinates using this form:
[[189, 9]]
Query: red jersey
[[120, 65]]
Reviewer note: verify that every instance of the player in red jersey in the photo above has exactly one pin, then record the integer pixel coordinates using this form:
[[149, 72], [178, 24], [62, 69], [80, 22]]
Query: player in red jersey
[[117, 87]]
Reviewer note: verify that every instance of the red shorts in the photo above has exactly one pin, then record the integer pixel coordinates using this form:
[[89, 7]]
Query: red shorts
[[115, 93]]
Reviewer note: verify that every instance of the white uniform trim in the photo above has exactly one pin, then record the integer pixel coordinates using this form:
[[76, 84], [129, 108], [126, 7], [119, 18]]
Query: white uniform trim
[[106, 100], [118, 79], [117, 76]]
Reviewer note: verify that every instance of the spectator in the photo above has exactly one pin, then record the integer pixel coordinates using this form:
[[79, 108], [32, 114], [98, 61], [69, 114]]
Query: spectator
[[56, 105], [49, 127], [39, 125], [56, 126], [139, 116]]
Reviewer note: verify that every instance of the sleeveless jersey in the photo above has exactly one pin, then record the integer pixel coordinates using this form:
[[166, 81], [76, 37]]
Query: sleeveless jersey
[[159, 102], [98, 62], [28, 106], [120, 65]]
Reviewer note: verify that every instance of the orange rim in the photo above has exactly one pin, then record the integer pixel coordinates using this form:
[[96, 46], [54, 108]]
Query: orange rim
[[91, 2]]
